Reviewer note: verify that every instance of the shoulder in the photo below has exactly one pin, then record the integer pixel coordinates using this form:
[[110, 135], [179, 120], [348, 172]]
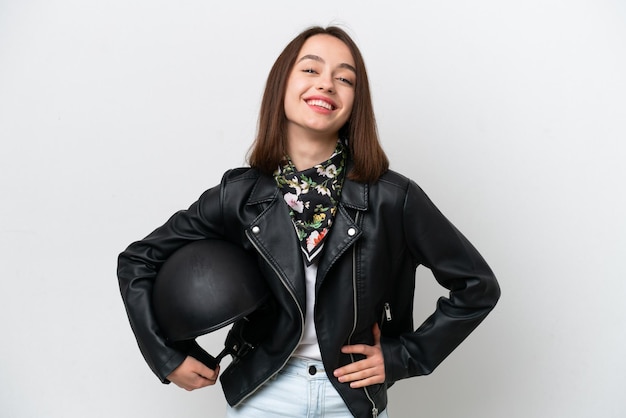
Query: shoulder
[[241, 178], [394, 180], [240, 174], [247, 184], [396, 186]]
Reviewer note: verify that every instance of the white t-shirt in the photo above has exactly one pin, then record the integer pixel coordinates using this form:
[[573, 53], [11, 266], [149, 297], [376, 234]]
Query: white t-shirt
[[309, 347]]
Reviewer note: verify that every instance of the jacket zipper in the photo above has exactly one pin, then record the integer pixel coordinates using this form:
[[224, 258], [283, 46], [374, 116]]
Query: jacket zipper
[[293, 296], [354, 287], [386, 317]]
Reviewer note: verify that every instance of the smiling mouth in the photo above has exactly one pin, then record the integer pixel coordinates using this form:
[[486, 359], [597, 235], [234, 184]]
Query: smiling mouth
[[320, 103]]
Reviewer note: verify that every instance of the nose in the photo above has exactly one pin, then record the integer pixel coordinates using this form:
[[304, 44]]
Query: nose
[[326, 83], [328, 89]]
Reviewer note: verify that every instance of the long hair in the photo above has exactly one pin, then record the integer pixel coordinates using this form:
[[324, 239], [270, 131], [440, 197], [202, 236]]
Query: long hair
[[369, 161]]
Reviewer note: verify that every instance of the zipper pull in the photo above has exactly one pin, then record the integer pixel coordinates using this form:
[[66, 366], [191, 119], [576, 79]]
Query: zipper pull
[[387, 311], [374, 412]]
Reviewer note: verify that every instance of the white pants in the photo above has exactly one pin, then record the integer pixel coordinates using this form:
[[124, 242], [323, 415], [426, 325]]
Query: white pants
[[300, 389]]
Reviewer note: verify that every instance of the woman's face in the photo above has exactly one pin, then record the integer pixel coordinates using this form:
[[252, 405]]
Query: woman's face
[[320, 89]]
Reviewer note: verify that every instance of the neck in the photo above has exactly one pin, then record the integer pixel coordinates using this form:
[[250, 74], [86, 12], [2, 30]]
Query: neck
[[306, 153]]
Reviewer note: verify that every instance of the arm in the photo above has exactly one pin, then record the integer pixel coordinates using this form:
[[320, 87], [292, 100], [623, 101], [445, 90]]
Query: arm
[[138, 266], [458, 267]]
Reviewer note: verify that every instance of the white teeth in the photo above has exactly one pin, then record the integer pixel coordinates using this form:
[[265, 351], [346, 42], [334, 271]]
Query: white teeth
[[320, 103]]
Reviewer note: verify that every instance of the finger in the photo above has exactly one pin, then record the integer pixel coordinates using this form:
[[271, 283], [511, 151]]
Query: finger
[[356, 367], [356, 374], [199, 381], [213, 378], [358, 349], [373, 380], [376, 332], [193, 382], [192, 374], [208, 373], [199, 367], [363, 378]]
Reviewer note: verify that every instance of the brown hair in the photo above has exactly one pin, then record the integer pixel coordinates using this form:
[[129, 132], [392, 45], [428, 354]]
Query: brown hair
[[268, 150]]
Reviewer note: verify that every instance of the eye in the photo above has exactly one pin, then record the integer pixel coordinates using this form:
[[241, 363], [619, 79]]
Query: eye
[[346, 81], [309, 70]]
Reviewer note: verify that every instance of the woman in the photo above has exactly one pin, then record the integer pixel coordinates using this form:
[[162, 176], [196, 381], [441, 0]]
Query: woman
[[338, 237]]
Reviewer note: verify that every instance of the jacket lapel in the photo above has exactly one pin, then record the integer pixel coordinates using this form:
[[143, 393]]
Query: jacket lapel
[[282, 250], [345, 230], [273, 235]]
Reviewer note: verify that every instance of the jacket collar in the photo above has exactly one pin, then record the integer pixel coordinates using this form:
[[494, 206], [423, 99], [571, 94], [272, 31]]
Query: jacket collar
[[286, 253], [354, 195]]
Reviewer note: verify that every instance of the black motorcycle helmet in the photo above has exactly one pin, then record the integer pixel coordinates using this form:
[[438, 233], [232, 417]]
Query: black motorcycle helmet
[[205, 286]]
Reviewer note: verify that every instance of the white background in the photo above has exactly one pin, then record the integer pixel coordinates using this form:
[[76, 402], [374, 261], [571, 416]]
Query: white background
[[511, 115]]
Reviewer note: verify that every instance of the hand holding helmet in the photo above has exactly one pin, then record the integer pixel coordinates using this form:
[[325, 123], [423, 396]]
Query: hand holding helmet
[[205, 286]]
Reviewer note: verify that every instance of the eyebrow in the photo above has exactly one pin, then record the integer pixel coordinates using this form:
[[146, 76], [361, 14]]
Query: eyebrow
[[320, 59]]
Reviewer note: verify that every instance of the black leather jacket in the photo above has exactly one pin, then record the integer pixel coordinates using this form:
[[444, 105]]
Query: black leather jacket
[[381, 233]]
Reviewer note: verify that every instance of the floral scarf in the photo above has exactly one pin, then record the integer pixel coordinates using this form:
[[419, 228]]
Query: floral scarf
[[312, 196]]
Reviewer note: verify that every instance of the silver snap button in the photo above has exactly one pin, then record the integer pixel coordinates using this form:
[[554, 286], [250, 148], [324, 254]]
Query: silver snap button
[[256, 229], [351, 231]]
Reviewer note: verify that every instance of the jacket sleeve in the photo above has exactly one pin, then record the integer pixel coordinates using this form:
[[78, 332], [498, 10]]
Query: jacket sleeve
[[139, 264], [435, 243]]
